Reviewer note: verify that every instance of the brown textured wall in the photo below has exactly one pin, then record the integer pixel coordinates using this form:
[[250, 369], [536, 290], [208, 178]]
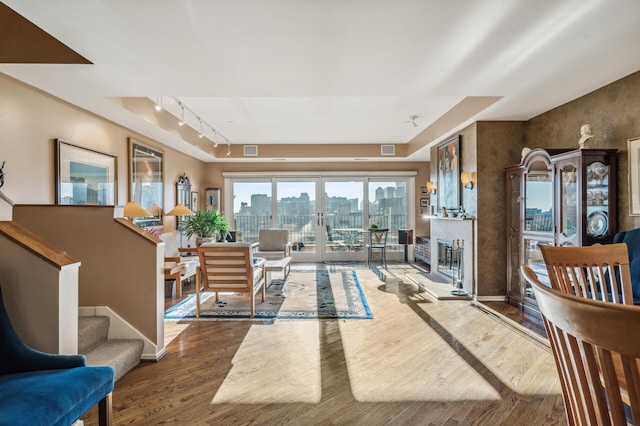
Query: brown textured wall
[[499, 144], [614, 113]]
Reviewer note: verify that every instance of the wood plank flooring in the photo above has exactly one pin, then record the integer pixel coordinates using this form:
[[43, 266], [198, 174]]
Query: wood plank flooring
[[418, 362]]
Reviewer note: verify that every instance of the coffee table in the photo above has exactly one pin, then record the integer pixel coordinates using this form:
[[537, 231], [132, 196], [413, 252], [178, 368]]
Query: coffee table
[[283, 265]]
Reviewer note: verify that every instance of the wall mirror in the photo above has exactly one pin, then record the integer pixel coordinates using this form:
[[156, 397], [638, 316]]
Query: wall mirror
[[183, 191], [183, 195], [146, 173]]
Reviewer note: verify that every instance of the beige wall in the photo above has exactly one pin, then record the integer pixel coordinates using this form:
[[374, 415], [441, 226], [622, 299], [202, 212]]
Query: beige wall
[[30, 120]]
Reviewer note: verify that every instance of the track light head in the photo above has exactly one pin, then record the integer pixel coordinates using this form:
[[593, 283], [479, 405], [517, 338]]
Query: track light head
[[181, 122], [158, 103]]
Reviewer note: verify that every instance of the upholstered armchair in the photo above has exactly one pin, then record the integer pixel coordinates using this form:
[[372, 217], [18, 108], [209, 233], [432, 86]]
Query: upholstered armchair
[[38, 388], [273, 244], [632, 239]]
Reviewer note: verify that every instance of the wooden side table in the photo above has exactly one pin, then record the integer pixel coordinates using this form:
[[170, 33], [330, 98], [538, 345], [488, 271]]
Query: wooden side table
[[173, 271]]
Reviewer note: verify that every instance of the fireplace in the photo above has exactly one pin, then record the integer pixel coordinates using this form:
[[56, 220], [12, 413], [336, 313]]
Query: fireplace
[[452, 253], [449, 258]]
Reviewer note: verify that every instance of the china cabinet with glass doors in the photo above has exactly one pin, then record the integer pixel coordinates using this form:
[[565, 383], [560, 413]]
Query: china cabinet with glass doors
[[556, 197]]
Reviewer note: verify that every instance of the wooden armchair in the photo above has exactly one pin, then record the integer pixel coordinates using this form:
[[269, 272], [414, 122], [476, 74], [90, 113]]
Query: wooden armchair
[[595, 272], [596, 346], [229, 267]]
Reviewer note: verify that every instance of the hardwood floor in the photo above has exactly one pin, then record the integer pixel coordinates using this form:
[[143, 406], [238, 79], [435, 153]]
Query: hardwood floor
[[418, 362]]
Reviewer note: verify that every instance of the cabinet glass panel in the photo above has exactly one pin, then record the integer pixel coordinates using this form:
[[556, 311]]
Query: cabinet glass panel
[[539, 198], [533, 258], [515, 265], [597, 199], [568, 201], [514, 198]]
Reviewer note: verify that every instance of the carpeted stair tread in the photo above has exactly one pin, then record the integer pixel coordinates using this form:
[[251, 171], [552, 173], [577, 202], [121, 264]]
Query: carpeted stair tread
[[121, 354], [92, 331]]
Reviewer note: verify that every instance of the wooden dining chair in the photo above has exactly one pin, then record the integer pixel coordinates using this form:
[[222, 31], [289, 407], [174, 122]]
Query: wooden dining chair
[[230, 268], [596, 272], [596, 347]]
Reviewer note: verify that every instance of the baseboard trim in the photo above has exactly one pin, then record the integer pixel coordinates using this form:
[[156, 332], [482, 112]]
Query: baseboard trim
[[490, 298]]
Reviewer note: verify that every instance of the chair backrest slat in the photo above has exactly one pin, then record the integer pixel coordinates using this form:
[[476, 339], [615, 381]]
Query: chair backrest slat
[[595, 272], [596, 346]]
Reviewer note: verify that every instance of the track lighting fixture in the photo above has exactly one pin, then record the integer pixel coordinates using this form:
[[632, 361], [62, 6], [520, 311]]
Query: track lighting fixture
[[158, 103], [203, 124], [181, 122]]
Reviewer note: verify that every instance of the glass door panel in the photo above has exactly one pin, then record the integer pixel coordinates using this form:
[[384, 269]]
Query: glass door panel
[[252, 209], [533, 259], [296, 207], [343, 220], [568, 201], [539, 198], [597, 199]]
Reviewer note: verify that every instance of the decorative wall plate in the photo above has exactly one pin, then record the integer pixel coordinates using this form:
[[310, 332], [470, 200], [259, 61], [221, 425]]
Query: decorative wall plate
[[597, 224]]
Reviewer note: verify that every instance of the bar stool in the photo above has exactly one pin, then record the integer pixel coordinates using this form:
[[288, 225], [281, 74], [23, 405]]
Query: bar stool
[[377, 242]]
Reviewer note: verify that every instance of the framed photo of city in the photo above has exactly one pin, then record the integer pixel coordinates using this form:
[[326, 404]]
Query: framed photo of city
[[146, 173], [83, 176], [449, 174], [213, 199]]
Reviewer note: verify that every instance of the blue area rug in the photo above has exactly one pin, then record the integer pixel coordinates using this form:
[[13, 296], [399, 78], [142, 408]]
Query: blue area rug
[[310, 294]]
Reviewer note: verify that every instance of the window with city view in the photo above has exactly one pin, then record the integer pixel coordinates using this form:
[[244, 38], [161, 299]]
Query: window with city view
[[326, 226]]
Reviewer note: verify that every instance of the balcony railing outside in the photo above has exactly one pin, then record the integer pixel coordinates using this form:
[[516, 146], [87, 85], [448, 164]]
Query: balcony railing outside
[[303, 228]]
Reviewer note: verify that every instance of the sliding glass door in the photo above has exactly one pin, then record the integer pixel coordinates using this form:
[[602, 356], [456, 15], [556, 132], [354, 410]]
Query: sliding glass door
[[342, 217], [327, 217]]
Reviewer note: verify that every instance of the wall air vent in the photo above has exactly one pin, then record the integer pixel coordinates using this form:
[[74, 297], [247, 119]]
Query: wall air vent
[[250, 150], [387, 150]]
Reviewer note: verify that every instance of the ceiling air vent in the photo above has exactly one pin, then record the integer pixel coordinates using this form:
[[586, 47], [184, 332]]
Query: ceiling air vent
[[387, 150], [250, 150]]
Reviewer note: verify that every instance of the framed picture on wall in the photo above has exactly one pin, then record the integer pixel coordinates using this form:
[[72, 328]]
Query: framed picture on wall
[[633, 147], [146, 174], [194, 201], [213, 199], [449, 174], [84, 176], [424, 202]]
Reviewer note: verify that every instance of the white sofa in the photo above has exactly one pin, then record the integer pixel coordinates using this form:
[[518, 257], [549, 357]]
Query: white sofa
[[171, 250]]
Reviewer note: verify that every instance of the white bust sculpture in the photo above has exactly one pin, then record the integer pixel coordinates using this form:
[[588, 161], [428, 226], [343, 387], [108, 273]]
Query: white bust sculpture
[[524, 152], [586, 133]]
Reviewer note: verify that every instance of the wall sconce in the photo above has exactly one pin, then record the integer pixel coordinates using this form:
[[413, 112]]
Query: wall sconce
[[467, 179], [431, 188]]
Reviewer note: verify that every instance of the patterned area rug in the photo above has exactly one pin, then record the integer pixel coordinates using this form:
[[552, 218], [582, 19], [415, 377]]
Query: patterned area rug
[[316, 294]]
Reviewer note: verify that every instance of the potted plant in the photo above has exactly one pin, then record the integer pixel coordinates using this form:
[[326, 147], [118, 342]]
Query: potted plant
[[206, 225], [373, 228]]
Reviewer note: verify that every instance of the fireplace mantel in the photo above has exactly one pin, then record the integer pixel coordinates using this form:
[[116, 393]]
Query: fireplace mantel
[[456, 228]]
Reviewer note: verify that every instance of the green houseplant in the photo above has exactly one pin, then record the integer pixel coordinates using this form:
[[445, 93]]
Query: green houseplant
[[206, 225]]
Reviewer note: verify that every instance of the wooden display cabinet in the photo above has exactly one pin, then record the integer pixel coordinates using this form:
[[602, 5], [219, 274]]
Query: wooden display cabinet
[[556, 197]]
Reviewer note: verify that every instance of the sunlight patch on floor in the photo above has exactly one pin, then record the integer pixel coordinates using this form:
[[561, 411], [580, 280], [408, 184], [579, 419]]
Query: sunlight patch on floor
[[290, 371]]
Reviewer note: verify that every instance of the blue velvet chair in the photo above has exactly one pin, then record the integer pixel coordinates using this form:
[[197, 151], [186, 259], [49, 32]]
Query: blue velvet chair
[[632, 239], [37, 388]]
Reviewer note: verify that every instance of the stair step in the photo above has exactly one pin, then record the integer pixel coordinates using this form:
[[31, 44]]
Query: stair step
[[92, 332], [121, 354]]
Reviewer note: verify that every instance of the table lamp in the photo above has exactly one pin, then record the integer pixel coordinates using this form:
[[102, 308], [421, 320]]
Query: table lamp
[[180, 210], [132, 209]]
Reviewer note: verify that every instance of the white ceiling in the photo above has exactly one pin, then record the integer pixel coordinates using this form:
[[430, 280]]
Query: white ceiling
[[333, 71]]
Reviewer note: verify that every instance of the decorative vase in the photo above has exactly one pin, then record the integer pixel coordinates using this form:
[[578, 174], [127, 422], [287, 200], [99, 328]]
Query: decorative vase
[[202, 240]]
